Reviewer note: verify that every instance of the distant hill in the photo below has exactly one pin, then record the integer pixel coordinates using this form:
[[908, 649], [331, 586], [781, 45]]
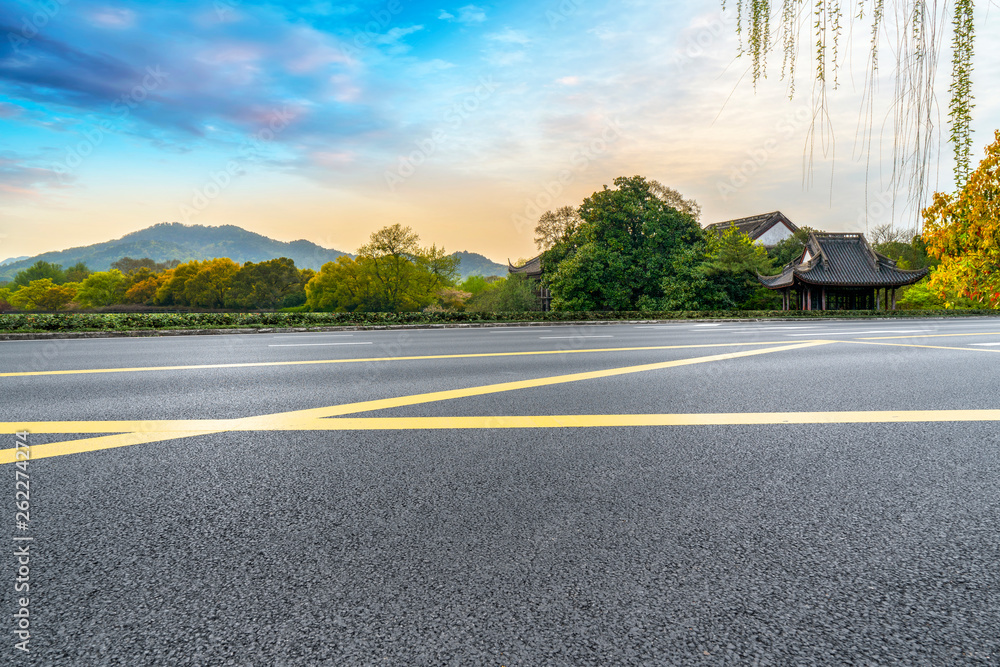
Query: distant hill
[[11, 260], [474, 264], [172, 240]]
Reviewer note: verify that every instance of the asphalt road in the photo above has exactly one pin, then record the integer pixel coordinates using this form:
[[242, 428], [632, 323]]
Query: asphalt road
[[687, 493]]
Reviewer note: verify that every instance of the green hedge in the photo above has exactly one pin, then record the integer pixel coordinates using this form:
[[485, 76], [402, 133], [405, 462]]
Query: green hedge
[[27, 322]]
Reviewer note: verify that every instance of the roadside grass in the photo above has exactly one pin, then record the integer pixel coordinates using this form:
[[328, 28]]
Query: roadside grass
[[145, 321]]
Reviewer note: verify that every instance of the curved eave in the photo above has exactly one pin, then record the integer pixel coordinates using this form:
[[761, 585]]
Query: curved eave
[[908, 278]]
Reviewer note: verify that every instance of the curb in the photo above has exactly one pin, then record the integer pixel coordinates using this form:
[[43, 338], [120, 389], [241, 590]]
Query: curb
[[153, 333]]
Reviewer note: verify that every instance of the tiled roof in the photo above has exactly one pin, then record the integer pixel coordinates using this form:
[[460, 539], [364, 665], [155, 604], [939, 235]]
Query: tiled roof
[[533, 267], [844, 260], [755, 225]]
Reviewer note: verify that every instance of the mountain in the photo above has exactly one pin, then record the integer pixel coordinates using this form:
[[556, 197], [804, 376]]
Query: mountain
[[11, 260], [172, 240], [474, 264]]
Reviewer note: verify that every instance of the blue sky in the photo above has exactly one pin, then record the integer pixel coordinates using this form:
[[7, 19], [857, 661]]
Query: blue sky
[[329, 120]]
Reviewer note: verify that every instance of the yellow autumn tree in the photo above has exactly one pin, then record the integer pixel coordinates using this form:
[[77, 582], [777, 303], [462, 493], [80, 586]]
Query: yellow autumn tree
[[963, 231]]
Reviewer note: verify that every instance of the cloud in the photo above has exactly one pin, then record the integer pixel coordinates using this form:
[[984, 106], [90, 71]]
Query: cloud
[[428, 67], [568, 81], [392, 40], [467, 14], [21, 180], [112, 17], [509, 36]]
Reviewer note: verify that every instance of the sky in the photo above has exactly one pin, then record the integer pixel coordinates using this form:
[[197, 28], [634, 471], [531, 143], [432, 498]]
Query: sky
[[329, 120]]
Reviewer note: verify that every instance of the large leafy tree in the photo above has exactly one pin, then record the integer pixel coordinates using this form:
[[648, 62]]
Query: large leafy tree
[[209, 287], [617, 258], [103, 288], [172, 289], [553, 226], [963, 231], [42, 294], [275, 283], [391, 273], [40, 270]]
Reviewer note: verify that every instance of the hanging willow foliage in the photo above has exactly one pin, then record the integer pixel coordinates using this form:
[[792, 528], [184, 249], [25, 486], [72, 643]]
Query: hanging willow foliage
[[918, 27]]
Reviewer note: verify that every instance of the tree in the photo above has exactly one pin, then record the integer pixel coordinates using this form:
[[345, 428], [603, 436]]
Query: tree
[[918, 28], [42, 294], [143, 291], [103, 288], [77, 273], [733, 263], [172, 288], [552, 226], [513, 294], [39, 271], [790, 249], [619, 255], [209, 287], [271, 284], [346, 285], [963, 231], [391, 253]]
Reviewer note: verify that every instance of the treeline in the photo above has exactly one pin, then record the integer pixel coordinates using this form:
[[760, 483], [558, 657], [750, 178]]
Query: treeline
[[392, 273]]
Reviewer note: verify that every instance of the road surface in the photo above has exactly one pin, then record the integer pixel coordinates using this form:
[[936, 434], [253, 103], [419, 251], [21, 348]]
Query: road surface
[[685, 493]]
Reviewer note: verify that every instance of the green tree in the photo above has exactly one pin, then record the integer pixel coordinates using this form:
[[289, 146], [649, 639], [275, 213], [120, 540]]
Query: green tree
[[513, 294], [619, 255], [346, 285], [272, 284], [789, 249], [392, 251], [474, 285], [39, 271], [209, 287], [42, 294], [172, 289], [77, 273], [104, 288]]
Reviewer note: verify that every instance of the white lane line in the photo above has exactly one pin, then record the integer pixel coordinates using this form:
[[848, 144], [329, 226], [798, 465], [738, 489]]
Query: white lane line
[[984, 344], [517, 330], [552, 337], [318, 344], [303, 335], [709, 325]]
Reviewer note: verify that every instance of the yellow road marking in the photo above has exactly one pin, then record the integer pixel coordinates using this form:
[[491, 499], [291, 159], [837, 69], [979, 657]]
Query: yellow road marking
[[520, 421], [147, 431], [308, 362]]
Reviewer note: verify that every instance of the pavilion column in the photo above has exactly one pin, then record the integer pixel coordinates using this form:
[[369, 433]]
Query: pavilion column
[[894, 298], [809, 298], [823, 304], [878, 299]]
